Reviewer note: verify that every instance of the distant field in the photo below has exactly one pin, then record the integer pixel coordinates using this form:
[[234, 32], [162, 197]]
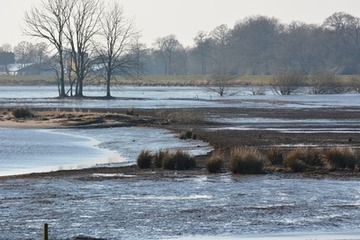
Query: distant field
[[147, 80]]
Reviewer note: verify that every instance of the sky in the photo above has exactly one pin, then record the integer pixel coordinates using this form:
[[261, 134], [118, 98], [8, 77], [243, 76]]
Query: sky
[[185, 18]]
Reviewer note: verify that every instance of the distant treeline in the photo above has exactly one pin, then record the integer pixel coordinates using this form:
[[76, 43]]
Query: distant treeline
[[257, 45], [261, 45]]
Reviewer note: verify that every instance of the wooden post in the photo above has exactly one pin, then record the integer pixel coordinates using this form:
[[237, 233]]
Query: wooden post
[[45, 232]]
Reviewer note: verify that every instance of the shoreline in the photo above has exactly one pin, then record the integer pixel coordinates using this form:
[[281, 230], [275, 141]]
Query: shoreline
[[223, 140]]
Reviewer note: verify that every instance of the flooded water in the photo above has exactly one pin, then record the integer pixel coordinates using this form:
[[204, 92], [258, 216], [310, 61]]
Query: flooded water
[[168, 97], [214, 205], [289, 125], [36, 150], [177, 206]]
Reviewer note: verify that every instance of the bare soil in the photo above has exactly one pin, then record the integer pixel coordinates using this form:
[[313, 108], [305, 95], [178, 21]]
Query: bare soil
[[179, 120]]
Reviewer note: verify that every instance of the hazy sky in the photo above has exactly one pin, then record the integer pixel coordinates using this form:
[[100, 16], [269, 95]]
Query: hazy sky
[[185, 18]]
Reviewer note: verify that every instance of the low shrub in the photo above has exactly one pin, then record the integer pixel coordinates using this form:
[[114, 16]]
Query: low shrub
[[326, 82], [288, 82], [275, 155], [355, 83], [144, 159], [215, 163], [341, 158], [22, 112], [246, 161]]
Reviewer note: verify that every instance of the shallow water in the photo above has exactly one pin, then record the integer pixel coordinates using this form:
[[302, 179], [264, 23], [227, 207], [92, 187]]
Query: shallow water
[[36, 150], [214, 205], [168, 97]]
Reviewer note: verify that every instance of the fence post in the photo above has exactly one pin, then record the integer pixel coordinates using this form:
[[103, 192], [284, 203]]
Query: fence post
[[45, 232]]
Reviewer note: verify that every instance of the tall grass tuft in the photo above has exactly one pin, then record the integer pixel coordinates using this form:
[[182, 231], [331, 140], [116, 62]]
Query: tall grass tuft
[[275, 155], [188, 134], [215, 163], [22, 112], [300, 159], [161, 158], [183, 160], [246, 161], [144, 159], [341, 158], [130, 111], [179, 160]]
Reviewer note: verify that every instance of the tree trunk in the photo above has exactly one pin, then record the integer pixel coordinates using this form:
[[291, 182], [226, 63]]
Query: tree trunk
[[108, 84], [62, 75]]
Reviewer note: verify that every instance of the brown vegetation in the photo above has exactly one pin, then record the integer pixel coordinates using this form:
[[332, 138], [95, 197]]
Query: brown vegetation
[[232, 152]]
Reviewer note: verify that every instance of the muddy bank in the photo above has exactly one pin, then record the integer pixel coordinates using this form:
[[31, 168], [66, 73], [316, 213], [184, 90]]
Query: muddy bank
[[208, 125]]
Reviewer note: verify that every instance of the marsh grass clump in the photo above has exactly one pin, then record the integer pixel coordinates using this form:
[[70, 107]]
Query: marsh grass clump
[[179, 160], [188, 134], [161, 158], [275, 155], [246, 161], [144, 159], [183, 161], [215, 163], [300, 159], [341, 158], [130, 111], [184, 116], [22, 112]]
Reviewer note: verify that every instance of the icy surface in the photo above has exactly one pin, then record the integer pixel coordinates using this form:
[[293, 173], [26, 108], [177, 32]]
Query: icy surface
[[169, 97], [36, 150], [120, 206], [219, 205]]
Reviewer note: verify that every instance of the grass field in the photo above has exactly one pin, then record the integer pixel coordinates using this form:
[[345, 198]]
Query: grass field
[[185, 80]]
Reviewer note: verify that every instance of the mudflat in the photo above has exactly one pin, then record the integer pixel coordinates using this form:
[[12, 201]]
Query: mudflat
[[223, 128]]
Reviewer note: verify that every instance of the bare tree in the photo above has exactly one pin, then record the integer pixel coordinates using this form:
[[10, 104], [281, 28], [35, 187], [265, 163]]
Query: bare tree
[[6, 47], [166, 47], [24, 53], [6, 58], [81, 29], [202, 49], [48, 22], [220, 80], [288, 82], [115, 44], [326, 82]]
